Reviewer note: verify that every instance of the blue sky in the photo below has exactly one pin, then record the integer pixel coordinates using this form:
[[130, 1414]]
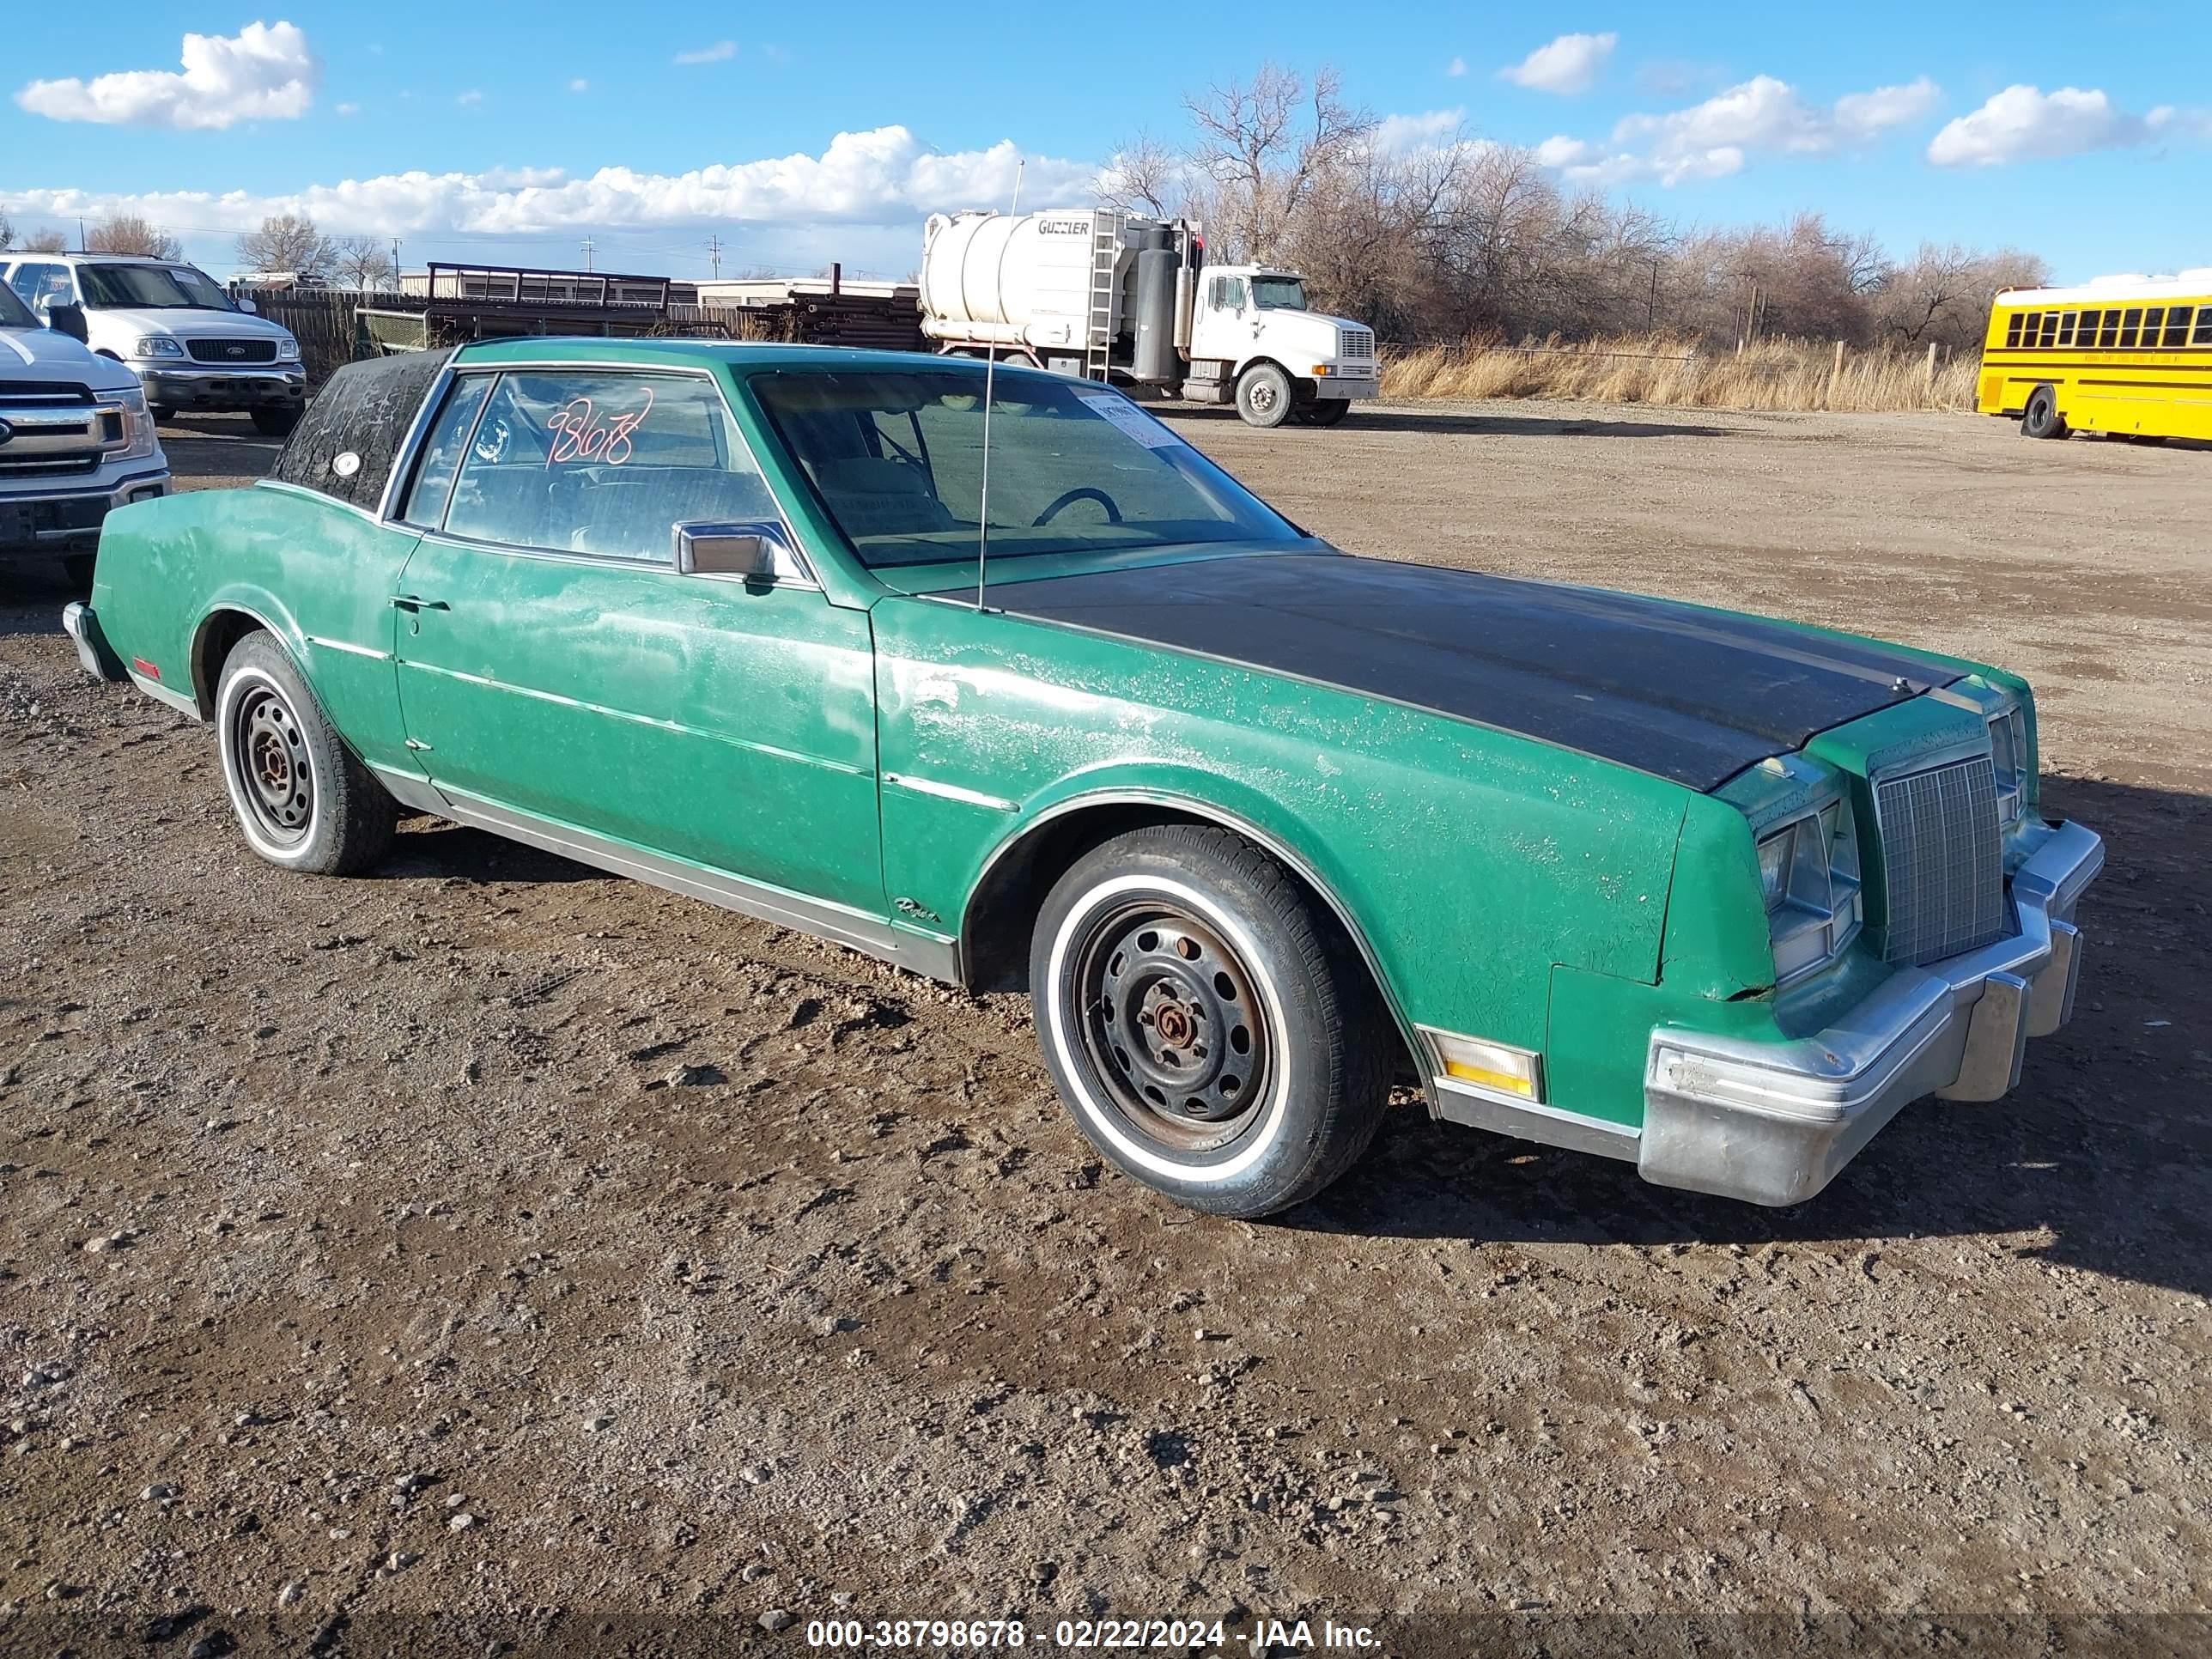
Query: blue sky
[[512, 132]]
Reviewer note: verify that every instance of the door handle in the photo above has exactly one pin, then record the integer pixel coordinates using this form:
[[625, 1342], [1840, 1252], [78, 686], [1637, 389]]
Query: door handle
[[410, 602]]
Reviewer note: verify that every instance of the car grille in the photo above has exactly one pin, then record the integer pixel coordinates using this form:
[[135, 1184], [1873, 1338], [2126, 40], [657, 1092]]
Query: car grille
[[1942, 861], [54, 431], [1355, 347], [232, 351]]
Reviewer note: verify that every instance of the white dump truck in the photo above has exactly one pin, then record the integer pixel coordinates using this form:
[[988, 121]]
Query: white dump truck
[[1112, 296]]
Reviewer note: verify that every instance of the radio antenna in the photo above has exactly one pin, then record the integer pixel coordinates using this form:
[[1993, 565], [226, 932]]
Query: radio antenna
[[990, 378]]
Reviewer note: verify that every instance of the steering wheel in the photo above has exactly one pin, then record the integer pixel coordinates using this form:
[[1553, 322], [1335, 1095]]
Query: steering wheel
[[1080, 493]]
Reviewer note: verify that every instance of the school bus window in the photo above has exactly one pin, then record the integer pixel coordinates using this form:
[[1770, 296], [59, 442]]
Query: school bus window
[[2085, 336], [2050, 328], [2012, 330], [2128, 320], [2066, 328], [2108, 335], [2028, 324], [2153, 320], [2177, 326], [2203, 325]]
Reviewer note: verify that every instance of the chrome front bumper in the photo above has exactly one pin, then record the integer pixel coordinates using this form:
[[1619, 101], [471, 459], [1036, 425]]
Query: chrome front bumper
[[1773, 1123]]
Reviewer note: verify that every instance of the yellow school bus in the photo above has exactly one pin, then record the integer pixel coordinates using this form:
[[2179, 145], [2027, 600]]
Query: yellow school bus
[[2133, 358]]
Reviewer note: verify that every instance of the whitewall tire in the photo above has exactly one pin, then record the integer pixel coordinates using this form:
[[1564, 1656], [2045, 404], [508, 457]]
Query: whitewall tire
[[1213, 1033]]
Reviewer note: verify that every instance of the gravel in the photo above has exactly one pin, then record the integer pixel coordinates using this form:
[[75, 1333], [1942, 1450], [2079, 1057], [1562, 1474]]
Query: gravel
[[866, 1309]]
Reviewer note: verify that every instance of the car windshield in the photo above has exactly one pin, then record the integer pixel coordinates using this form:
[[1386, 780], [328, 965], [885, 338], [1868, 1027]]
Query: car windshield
[[896, 457], [13, 313], [151, 287], [1279, 293]]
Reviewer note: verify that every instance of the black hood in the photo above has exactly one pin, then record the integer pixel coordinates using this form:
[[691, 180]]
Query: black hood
[[1683, 694]]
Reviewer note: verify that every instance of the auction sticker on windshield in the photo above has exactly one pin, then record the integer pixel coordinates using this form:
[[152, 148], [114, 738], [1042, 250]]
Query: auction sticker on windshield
[[1114, 407]]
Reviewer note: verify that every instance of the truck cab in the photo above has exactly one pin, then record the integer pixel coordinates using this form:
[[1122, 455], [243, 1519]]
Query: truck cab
[[1254, 341], [75, 440]]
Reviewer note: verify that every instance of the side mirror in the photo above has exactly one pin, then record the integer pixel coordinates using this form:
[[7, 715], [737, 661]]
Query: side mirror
[[753, 549], [69, 320], [248, 307]]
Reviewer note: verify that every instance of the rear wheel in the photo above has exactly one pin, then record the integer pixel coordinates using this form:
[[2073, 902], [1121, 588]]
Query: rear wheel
[[275, 421], [303, 801], [1263, 396], [2043, 419], [1323, 411], [1212, 1030], [77, 570]]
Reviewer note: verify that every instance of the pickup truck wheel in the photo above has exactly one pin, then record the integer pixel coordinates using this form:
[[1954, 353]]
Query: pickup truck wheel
[[303, 801], [162, 413], [1212, 1030], [1263, 395], [76, 570], [2042, 419], [277, 422]]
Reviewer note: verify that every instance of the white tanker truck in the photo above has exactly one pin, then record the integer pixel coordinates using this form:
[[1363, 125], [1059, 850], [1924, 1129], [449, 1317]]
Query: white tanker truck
[[1111, 296]]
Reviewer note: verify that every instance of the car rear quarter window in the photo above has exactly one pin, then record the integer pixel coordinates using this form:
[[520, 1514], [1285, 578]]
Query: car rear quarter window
[[603, 463], [442, 449], [364, 411]]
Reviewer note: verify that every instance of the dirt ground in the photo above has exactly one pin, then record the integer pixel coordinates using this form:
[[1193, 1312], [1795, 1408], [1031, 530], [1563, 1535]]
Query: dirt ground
[[491, 1250]]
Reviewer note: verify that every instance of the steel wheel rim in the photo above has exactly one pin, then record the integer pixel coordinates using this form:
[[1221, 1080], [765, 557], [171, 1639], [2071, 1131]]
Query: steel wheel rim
[[269, 764], [1263, 396], [1171, 1022]]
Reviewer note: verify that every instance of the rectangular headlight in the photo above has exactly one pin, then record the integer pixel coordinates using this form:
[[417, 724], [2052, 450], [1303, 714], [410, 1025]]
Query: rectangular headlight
[[2008, 758], [1808, 876]]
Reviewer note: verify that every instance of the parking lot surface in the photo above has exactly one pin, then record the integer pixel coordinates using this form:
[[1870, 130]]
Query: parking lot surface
[[490, 1237]]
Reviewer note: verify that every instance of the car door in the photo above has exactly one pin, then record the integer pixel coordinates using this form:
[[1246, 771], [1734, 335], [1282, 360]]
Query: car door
[[554, 664]]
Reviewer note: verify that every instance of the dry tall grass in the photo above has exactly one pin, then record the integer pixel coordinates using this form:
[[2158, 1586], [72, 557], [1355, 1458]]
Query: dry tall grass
[[1773, 374]]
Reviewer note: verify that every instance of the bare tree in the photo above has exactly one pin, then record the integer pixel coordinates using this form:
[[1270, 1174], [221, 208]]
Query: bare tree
[[287, 242], [127, 232], [6, 232], [1145, 176], [362, 262], [48, 240], [1945, 293], [1266, 143]]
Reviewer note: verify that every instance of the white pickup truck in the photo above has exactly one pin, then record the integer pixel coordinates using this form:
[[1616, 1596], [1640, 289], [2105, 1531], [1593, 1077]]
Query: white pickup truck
[[75, 440]]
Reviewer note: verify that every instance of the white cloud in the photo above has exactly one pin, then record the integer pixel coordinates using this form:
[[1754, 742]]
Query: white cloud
[[1456, 67], [1570, 63], [263, 72], [719, 52], [469, 98], [1713, 139], [883, 177], [2025, 123], [580, 84], [1395, 133], [349, 109]]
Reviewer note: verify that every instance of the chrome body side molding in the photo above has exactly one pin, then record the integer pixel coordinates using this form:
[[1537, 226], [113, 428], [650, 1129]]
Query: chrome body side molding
[[928, 954]]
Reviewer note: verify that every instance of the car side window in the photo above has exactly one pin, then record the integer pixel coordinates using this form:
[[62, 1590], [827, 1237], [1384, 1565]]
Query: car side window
[[603, 463], [38, 284], [442, 450]]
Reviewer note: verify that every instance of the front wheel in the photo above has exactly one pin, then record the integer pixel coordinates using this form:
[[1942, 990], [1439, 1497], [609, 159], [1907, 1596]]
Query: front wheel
[[275, 421], [1263, 395], [1323, 411], [303, 801], [2042, 419], [1215, 1035]]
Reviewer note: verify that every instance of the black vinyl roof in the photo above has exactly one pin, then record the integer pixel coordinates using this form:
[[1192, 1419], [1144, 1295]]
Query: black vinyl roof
[[366, 409]]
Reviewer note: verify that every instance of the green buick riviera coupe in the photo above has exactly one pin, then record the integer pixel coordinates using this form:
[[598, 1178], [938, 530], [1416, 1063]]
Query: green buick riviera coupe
[[1260, 825]]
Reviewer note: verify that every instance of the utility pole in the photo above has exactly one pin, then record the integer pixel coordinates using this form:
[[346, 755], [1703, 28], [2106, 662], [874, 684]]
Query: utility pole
[[714, 253], [396, 289], [589, 246]]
